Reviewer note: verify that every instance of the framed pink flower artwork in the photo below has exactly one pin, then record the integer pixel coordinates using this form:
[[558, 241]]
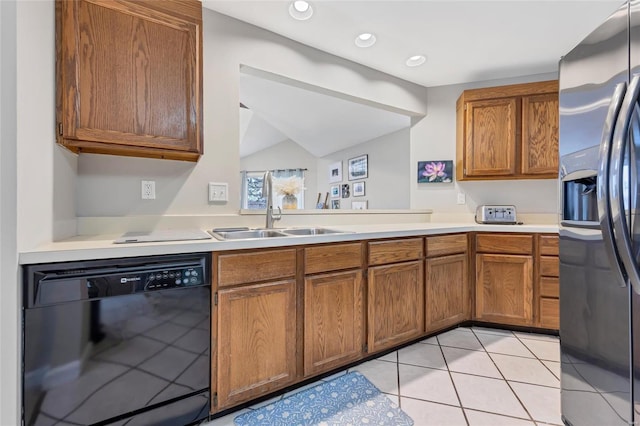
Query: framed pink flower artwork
[[435, 171]]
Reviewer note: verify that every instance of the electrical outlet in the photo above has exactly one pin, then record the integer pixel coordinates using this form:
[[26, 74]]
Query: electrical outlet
[[462, 198], [148, 190], [218, 191]]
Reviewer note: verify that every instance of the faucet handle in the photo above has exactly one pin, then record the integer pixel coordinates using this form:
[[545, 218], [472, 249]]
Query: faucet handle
[[279, 216]]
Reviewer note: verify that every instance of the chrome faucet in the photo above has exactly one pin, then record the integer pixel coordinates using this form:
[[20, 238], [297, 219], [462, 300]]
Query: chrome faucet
[[267, 193]]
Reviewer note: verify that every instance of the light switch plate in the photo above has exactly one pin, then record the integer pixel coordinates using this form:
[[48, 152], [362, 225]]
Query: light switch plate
[[462, 198], [218, 191]]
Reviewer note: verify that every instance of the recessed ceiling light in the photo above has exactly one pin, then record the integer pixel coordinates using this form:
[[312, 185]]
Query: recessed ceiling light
[[365, 40], [416, 60], [300, 10]]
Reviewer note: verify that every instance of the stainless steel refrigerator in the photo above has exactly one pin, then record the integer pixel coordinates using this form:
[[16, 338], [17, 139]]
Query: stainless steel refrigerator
[[600, 227]]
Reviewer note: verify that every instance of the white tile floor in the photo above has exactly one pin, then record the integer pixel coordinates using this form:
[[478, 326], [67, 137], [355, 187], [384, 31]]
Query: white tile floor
[[468, 376]]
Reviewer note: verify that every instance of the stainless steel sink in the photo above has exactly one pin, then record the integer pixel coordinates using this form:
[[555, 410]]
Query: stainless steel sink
[[311, 231], [247, 234]]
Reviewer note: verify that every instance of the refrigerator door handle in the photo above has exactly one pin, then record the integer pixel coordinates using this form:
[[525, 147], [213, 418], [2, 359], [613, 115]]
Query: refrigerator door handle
[[604, 201], [622, 237]]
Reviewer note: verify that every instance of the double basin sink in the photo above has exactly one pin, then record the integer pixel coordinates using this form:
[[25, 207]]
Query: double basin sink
[[246, 233]]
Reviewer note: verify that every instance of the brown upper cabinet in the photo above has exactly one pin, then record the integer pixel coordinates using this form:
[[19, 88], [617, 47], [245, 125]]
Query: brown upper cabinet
[[508, 132], [129, 77]]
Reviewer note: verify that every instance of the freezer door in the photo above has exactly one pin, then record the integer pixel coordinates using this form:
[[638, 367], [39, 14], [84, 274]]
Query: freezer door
[[594, 303], [634, 196]]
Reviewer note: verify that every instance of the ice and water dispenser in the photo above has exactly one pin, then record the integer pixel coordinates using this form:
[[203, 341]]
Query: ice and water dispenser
[[580, 199]]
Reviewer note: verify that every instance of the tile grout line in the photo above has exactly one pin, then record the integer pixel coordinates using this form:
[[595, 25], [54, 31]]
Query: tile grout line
[[505, 380], [455, 389], [536, 356], [398, 379]]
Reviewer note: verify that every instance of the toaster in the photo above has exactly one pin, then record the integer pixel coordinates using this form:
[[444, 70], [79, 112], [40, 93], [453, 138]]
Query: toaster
[[505, 215]]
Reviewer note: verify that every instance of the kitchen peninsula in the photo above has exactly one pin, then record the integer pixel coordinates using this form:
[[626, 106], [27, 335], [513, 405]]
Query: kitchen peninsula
[[393, 284]]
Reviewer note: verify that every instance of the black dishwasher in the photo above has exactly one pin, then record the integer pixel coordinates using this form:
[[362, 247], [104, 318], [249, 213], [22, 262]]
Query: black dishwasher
[[117, 341]]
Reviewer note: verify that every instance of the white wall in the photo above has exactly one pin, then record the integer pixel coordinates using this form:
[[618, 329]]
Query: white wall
[[287, 155], [111, 185], [387, 184], [46, 172], [10, 300], [437, 141]]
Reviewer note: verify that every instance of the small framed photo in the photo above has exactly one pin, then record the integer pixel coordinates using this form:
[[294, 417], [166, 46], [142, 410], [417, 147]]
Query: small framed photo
[[335, 172], [346, 191], [335, 204], [335, 191], [359, 205], [358, 167], [358, 189]]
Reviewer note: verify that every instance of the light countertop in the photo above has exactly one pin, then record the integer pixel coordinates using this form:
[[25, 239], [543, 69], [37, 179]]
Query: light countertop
[[102, 246]]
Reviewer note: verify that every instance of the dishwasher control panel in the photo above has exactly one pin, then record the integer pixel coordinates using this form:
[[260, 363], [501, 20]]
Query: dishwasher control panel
[[171, 278], [53, 283]]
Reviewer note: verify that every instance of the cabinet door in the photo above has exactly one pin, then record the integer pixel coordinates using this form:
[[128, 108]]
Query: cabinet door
[[333, 320], [256, 340], [504, 288], [395, 304], [490, 148], [447, 291], [129, 77], [540, 135]]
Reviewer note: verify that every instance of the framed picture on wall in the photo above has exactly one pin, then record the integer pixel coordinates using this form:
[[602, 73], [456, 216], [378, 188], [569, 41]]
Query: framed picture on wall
[[346, 191], [335, 204], [335, 172], [359, 205], [335, 191], [435, 171], [359, 167], [358, 189]]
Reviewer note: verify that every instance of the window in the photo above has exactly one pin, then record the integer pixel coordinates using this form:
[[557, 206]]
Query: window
[[252, 198]]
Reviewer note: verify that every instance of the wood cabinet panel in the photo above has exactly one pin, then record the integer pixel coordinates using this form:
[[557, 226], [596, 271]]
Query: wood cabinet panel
[[447, 291], [550, 313], [491, 137], [332, 257], [395, 304], [394, 251], [549, 266], [446, 244], [333, 320], [502, 243], [549, 287], [504, 288], [153, 107], [549, 245], [540, 134], [508, 132], [249, 267], [256, 340]]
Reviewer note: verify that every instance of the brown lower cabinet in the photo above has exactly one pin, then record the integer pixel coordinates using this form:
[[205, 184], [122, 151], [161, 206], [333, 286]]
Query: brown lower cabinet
[[504, 288], [395, 304], [282, 315], [447, 291], [333, 320], [256, 345]]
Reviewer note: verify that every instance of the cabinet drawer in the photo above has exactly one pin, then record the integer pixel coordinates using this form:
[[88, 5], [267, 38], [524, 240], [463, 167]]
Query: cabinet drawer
[[550, 313], [240, 268], [549, 266], [549, 245], [332, 257], [508, 244], [381, 252], [549, 287], [446, 244]]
